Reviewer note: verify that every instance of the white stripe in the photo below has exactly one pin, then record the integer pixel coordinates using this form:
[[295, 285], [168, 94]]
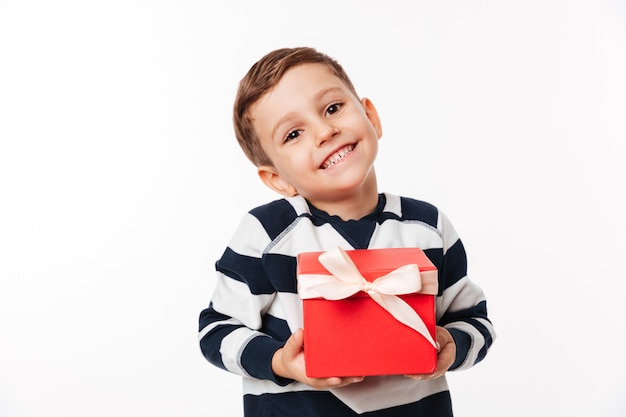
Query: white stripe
[[213, 325], [289, 308], [393, 204], [398, 390], [394, 234], [231, 347], [233, 298], [448, 233], [299, 204], [461, 295], [249, 238], [310, 238], [488, 325]]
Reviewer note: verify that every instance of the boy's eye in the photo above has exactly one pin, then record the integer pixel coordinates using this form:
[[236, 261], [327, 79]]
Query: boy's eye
[[292, 135], [333, 108]]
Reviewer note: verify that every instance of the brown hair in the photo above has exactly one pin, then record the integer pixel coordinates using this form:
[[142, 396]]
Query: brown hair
[[261, 78]]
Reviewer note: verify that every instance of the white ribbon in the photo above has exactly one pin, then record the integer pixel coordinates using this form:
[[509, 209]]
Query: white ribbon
[[346, 280]]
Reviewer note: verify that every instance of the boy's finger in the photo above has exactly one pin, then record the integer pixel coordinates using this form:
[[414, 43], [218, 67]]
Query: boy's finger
[[294, 343], [298, 337]]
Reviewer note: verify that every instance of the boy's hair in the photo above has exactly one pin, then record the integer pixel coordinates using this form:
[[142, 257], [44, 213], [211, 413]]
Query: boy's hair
[[260, 79]]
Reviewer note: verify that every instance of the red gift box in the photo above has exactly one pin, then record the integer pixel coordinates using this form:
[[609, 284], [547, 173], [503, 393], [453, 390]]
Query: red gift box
[[349, 333]]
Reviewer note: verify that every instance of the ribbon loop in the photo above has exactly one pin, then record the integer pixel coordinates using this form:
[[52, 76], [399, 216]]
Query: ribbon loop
[[346, 280]]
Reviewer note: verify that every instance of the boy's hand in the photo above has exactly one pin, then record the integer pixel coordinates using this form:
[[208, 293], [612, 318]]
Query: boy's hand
[[445, 356], [288, 362]]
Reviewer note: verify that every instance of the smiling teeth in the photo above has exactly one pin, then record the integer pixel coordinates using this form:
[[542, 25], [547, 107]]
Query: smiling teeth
[[337, 156]]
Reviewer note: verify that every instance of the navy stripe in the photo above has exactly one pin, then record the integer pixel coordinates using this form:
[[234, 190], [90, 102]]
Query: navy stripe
[[463, 343], [436, 257], [283, 270], [209, 316], [482, 353], [486, 335], [245, 269], [482, 329], [209, 348], [477, 311], [419, 210], [275, 217], [453, 267], [323, 403], [256, 359], [387, 215], [275, 327], [357, 233], [300, 404]]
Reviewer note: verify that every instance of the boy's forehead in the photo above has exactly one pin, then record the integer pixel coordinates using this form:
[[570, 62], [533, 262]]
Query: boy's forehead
[[304, 81]]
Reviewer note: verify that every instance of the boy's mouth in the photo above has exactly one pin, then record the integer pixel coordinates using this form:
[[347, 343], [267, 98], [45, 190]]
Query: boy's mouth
[[337, 156]]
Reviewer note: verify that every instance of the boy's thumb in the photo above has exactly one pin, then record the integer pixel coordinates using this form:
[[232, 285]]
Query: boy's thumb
[[296, 340]]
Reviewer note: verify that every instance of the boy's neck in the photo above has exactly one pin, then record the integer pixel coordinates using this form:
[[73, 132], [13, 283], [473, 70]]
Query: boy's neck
[[354, 206]]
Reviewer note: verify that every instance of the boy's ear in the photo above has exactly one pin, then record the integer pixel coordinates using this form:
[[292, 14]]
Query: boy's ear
[[273, 180], [372, 115]]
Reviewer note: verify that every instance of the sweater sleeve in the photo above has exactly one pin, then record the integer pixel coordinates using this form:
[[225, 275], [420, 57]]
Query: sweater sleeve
[[461, 304], [231, 328]]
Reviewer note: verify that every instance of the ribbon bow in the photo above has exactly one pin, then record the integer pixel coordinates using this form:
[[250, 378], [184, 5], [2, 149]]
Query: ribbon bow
[[346, 280]]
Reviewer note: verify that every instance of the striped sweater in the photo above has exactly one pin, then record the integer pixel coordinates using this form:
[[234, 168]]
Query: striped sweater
[[255, 306]]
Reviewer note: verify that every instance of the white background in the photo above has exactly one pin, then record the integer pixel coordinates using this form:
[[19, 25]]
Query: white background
[[121, 184]]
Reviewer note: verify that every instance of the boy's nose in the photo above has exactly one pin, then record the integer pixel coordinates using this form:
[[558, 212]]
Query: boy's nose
[[326, 133]]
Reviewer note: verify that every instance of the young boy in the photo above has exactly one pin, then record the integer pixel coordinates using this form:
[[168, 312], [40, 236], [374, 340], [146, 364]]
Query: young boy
[[299, 119]]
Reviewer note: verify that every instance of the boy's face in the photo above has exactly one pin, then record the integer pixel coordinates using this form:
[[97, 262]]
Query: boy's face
[[321, 139]]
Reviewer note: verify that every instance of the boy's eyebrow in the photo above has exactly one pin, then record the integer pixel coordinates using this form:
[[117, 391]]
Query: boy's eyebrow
[[285, 118], [318, 96], [325, 91]]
